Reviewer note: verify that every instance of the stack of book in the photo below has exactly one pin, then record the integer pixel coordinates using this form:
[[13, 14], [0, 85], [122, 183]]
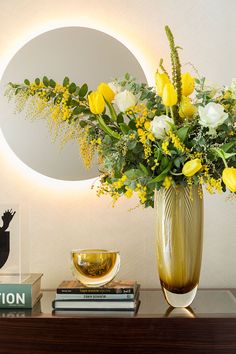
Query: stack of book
[[20, 291], [115, 298]]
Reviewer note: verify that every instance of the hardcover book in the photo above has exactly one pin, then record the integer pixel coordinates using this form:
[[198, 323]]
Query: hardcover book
[[97, 296], [24, 294], [96, 313], [115, 287], [104, 305]]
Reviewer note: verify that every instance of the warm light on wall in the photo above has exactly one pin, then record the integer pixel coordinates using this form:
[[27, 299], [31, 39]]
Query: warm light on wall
[[6, 151]]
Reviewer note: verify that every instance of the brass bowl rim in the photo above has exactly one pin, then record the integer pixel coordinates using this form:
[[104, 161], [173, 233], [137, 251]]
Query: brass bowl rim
[[93, 251]]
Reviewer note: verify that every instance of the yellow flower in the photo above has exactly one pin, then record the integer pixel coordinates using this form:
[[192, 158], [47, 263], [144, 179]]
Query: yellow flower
[[169, 96], [191, 167], [147, 125], [164, 147], [229, 178], [161, 81], [129, 192], [187, 84], [177, 142], [96, 102], [167, 182], [186, 108], [106, 91]]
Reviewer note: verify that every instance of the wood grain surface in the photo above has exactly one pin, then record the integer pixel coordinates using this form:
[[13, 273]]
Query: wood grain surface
[[148, 333]]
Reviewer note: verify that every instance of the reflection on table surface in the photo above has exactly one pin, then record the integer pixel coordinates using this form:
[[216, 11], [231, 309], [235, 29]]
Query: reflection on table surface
[[208, 303]]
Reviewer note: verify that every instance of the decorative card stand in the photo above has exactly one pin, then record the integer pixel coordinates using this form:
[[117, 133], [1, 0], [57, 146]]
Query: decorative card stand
[[13, 255]]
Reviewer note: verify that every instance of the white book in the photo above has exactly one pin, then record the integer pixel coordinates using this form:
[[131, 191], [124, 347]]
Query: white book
[[86, 305]]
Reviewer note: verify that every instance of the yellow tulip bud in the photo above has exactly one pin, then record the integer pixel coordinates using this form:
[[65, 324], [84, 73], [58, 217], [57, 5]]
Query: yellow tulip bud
[[96, 102], [169, 96], [229, 178], [191, 167], [161, 81], [187, 84], [106, 91], [186, 108]]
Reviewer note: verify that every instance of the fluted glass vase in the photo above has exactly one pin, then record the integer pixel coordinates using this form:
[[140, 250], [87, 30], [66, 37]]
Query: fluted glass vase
[[179, 231]]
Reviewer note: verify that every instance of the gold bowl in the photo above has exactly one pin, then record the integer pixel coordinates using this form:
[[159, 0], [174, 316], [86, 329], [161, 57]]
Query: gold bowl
[[95, 267]]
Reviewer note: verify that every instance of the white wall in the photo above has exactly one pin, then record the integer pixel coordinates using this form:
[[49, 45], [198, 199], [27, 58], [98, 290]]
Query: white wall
[[63, 216]]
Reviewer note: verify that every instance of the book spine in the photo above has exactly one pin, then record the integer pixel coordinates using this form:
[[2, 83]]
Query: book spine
[[15, 296], [94, 296], [95, 291]]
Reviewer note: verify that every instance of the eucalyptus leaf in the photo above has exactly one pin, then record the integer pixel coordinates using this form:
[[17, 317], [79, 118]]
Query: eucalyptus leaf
[[134, 173], [78, 110], [66, 81], [52, 83], [45, 81], [83, 90], [72, 87], [27, 82]]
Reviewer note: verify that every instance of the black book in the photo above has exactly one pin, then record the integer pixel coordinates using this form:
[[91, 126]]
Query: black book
[[115, 287]]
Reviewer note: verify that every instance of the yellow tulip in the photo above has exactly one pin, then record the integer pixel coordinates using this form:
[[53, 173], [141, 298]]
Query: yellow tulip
[[229, 178], [106, 91], [187, 84], [161, 81], [186, 108], [169, 96], [191, 167], [96, 102]]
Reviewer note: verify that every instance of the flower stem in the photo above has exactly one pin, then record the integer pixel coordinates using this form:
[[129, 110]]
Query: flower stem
[[172, 114], [224, 160]]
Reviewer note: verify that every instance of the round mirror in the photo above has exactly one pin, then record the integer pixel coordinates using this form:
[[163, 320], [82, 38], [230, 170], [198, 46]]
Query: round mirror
[[82, 54]]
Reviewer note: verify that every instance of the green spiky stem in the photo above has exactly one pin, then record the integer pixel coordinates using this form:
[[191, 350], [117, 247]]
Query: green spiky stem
[[163, 68], [175, 62]]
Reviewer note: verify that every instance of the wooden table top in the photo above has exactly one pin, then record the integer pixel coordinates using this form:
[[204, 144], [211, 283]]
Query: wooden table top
[[208, 327]]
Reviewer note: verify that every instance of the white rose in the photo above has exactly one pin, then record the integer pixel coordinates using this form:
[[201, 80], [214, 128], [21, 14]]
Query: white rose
[[116, 88], [124, 100], [212, 115], [160, 125]]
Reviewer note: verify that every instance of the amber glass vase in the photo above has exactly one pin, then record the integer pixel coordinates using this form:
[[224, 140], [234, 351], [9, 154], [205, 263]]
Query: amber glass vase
[[179, 231]]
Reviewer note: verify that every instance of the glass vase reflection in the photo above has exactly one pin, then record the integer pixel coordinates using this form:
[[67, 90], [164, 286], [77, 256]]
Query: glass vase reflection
[[95, 267]]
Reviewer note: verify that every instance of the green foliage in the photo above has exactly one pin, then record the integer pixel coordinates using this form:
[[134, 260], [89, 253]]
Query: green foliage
[[131, 158], [83, 90]]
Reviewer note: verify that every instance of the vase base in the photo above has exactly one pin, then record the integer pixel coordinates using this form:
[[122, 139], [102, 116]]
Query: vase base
[[180, 300]]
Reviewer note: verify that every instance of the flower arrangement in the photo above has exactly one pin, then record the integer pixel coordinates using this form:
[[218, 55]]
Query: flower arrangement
[[182, 132]]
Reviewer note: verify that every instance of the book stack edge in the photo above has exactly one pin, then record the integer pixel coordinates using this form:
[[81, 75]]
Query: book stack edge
[[117, 297]]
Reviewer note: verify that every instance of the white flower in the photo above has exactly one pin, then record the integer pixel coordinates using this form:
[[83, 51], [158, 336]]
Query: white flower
[[212, 115], [116, 88], [124, 100], [160, 125]]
